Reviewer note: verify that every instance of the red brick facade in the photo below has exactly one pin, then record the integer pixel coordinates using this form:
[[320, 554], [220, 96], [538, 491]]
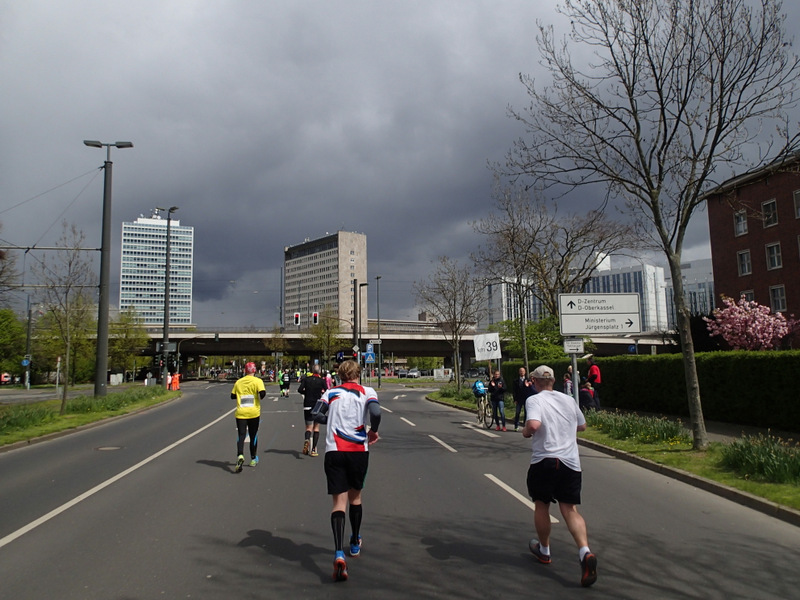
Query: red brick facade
[[771, 228]]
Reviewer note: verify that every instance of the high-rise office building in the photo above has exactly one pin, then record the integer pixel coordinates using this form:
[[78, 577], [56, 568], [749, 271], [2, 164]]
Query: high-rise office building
[[141, 281], [318, 276]]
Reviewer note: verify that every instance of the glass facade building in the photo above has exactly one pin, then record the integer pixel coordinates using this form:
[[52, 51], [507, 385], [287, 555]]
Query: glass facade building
[[141, 282]]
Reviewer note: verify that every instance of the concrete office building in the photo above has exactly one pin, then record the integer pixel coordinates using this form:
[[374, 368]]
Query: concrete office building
[[318, 275], [141, 281], [698, 290]]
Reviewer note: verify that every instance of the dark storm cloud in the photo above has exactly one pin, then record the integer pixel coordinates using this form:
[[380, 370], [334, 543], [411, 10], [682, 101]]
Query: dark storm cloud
[[266, 123]]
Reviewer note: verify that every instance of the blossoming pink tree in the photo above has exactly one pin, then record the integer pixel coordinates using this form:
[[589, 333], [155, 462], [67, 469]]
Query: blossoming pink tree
[[748, 325]]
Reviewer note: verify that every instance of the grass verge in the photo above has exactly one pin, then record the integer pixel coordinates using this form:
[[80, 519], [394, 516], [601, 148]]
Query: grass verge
[[29, 421]]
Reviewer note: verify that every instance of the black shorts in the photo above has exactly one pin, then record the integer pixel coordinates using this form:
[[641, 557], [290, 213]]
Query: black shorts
[[345, 470], [550, 480], [307, 413]]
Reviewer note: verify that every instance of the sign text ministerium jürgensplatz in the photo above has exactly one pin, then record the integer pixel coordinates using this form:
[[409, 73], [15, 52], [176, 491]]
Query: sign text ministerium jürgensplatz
[[597, 314]]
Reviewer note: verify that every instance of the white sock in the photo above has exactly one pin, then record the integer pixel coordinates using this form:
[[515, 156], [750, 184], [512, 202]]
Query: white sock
[[544, 549], [583, 552]]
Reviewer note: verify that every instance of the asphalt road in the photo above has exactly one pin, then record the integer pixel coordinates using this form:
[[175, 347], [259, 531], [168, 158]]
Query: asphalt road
[[149, 507]]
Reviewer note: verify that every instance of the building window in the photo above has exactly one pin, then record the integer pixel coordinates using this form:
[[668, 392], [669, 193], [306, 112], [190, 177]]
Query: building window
[[797, 204], [748, 295], [774, 260], [769, 210], [739, 222], [745, 266], [777, 298]]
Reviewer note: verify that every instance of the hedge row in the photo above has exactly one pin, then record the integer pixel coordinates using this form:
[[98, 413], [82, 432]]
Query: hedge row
[[741, 387]]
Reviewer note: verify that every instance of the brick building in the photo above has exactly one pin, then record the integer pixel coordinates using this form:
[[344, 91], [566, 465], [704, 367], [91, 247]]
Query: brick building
[[754, 225]]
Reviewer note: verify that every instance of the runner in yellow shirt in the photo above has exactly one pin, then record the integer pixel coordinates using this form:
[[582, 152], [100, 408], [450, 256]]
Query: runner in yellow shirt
[[248, 392]]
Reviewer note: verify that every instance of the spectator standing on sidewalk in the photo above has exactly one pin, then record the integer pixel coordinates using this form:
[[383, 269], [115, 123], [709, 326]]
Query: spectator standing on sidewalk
[[595, 379], [554, 474], [522, 389], [497, 394]]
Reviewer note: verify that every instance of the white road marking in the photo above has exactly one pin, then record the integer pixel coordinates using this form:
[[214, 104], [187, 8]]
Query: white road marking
[[383, 408], [474, 427], [78, 499], [399, 396], [407, 421], [438, 441], [516, 494]]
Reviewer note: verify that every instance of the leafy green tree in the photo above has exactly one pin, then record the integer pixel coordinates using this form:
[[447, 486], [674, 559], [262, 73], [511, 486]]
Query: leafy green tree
[[12, 341], [127, 339], [326, 337], [543, 338]]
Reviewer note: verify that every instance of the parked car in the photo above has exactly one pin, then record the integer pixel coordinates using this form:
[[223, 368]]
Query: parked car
[[402, 373], [5, 378], [413, 373]]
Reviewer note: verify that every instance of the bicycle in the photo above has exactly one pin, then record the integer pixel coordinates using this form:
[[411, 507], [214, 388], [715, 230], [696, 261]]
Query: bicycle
[[485, 416]]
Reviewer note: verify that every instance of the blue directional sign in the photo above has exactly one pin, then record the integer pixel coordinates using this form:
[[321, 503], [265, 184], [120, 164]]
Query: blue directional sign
[[340, 356]]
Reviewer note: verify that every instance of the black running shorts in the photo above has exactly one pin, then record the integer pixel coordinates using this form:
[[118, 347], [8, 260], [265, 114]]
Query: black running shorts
[[550, 480], [345, 470]]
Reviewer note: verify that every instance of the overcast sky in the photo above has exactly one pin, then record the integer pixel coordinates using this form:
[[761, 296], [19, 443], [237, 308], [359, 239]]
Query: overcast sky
[[266, 122]]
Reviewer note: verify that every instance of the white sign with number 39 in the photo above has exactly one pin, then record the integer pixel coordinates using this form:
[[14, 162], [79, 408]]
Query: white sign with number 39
[[487, 346]]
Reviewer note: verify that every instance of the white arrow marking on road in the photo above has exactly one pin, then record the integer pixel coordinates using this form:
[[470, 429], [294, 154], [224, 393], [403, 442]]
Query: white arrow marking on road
[[479, 430], [407, 421], [438, 441], [516, 494], [57, 511], [399, 396]]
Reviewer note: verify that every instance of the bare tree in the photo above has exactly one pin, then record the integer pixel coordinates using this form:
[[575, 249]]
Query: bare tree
[[674, 97], [8, 273], [67, 277], [541, 254], [454, 296]]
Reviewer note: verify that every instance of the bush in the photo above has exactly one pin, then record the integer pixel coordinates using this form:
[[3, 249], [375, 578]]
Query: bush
[[28, 415], [645, 430], [765, 458]]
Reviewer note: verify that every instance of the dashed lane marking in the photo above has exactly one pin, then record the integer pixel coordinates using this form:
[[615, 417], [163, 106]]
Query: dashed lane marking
[[407, 421], [438, 441], [480, 430], [515, 494]]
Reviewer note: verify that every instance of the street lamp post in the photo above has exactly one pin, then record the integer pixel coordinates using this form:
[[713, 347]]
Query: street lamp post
[[101, 360], [380, 344], [165, 342]]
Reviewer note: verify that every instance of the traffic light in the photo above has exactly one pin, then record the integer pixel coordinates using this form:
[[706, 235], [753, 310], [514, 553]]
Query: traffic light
[[297, 318], [216, 337], [315, 318]]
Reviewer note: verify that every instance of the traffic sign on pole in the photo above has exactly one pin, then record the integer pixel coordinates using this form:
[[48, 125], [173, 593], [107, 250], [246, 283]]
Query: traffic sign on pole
[[597, 314]]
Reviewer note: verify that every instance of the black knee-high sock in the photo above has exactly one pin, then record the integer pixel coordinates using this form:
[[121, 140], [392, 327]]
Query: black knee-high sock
[[316, 439], [355, 521], [337, 525], [308, 435]]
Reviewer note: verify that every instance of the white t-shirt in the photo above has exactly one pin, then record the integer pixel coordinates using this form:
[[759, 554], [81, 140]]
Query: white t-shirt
[[348, 417], [556, 438]]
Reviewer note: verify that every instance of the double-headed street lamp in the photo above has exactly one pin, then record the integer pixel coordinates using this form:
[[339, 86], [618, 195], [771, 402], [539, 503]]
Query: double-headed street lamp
[[165, 341], [101, 361]]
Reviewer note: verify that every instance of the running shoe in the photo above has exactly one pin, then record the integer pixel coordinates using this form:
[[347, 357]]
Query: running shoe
[[314, 452], [306, 446], [504, 429], [498, 428], [588, 570], [239, 463], [355, 548], [254, 462], [536, 551], [339, 567]]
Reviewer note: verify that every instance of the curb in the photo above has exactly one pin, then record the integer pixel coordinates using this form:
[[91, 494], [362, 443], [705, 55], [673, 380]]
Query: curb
[[784, 513]]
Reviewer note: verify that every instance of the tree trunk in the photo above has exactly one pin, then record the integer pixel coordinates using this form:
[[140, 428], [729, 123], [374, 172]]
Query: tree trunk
[[699, 434]]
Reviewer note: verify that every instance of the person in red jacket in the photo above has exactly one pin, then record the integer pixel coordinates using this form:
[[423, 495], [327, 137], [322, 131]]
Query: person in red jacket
[[595, 379]]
